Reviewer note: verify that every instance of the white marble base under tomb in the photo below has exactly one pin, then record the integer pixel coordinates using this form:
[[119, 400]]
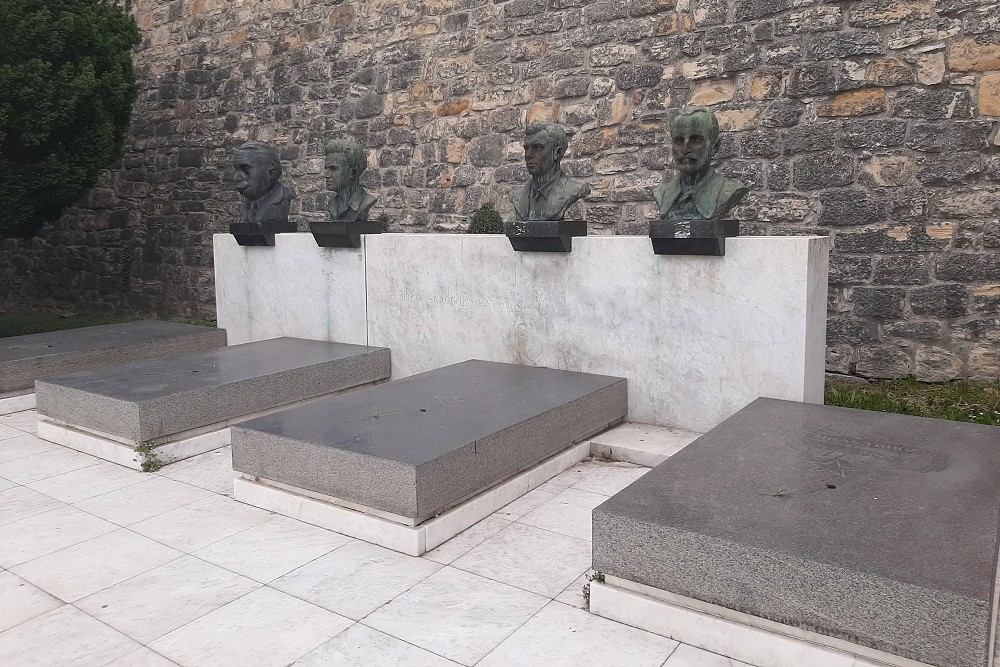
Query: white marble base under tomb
[[11, 403], [395, 532]]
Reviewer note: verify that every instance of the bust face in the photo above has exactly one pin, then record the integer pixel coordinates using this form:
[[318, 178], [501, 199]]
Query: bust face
[[253, 178], [539, 154], [691, 143], [338, 174]]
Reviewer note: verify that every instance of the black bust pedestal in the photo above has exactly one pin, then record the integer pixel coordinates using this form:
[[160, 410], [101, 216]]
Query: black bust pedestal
[[544, 235], [343, 234], [692, 237], [252, 233]]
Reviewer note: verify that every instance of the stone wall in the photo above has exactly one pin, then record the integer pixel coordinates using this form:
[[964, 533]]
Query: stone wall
[[872, 121]]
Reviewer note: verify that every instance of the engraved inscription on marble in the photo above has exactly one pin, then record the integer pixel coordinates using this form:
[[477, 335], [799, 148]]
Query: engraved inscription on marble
[[448, 300]]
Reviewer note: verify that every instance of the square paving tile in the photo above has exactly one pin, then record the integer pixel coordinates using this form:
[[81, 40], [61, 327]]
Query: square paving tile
[[212, 471], [201, 523], [9, 432], [21, 502], [567, 513], [72, 487], [524, 504], [93, 565], [457, 615], [689, 656], [642, 443], [572, 595], [54, 462], [536, 560], [264, 628], [361, 646], [22, 445], [553, 638], [42, 534], [608, 479], [466, 540], [151, 497], [356, 579], [156, 602], [22, 601], [65, 637], [142, 657], [26, 420], [272, 549]]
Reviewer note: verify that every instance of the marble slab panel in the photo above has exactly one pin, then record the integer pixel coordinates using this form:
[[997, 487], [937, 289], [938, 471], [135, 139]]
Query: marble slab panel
[[877, 529], [698, 338], [293, 289], [23, 359], [452, 295]]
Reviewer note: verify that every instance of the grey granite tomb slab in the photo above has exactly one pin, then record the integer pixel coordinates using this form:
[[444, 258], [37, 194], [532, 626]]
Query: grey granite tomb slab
[[160, 397], [23, 359], [878, 529], [418, 446]]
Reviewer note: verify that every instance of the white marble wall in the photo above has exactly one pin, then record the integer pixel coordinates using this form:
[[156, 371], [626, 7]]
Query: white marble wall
[[697, 337], [293, 289]]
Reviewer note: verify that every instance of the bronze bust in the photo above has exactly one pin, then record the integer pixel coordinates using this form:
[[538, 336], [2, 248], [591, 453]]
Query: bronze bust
[[345, 162], [549, 192], [258, 176], [697, 192]]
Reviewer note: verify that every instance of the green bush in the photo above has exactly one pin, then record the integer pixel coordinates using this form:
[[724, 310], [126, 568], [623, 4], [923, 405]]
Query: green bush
[[66, 93], [486, 220]]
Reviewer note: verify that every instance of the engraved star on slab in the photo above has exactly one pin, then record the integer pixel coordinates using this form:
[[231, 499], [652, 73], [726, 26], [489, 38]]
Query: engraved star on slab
[[835, 467]]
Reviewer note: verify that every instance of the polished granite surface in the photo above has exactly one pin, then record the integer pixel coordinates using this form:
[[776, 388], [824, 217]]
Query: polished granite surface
[[877, 528]]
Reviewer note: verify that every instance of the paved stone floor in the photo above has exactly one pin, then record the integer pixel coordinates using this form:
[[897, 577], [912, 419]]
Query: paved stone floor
[[100, 565]]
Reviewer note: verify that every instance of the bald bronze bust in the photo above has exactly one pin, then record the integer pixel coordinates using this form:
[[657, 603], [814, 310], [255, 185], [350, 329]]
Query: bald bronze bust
[[258, 180], [549, 192], [697, 192]]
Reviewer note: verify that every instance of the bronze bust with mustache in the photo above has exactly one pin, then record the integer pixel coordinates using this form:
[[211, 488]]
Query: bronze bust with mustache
[[697, 192]]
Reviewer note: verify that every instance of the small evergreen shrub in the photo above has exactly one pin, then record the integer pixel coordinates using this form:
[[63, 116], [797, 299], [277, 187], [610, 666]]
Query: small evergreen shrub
[[486, 220], [384, 220], [66, 93]]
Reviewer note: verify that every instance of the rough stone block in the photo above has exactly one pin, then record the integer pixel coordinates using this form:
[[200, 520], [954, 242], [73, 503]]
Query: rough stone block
[[850, 269], [873, 13], [969, 267], [843, 330], [909, 269], [842, 208], [842, 522], [932, 103], [872, 133], [26, 358], [845, 44], [854, 103], [815, 172], [418, 446], [884, 362], [916, 330], [152, 399], [878, 302]]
